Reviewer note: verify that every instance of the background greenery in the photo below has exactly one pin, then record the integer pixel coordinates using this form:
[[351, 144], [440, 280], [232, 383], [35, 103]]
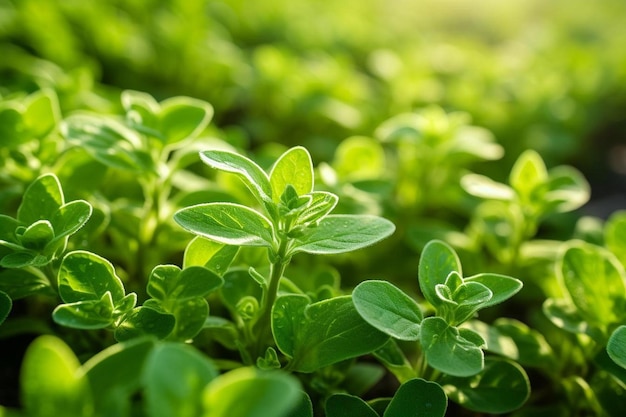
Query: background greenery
[[396, 100]]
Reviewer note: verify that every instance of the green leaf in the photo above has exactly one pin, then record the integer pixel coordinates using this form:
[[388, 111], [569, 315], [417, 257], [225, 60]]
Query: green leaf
[[567, 190], [37, 235], [191, 315], [448, 351], [183, 117], [304, 408], [595, 281], [20, 283], [176, 389], [238, 284], [115, 375], [322, 333], [215, 256], [564, 315], [87, 314], [388, 309], [437, 261], [486, 188], [502, 287], [501, 387], [5, 306], [42, 113], [528, 173], [227, 223], [86, 276], [359, 157], [41, 200], [142, 321], [141, 111], [247, 392], [70, 218], [616, 347], [320, 205], [51, 382], [252, 175], [23, 259], [344, 405], [343, 233], [169, 282], [294, 168], [418, 398]]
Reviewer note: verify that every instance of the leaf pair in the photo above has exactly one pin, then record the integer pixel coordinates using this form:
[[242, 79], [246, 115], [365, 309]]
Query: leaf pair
[[43, 225]]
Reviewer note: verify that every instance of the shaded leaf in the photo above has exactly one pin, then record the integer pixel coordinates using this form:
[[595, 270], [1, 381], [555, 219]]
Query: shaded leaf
[[418, 398], [344, 405]]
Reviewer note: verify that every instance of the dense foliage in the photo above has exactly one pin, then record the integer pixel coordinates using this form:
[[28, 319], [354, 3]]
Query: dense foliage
[[289, 208]]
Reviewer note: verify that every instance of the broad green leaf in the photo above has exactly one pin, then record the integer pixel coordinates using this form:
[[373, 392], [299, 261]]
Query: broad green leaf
[[343, 233], [41, 200], [70, 218], [87, 314], [175, 389], [344, 405], [437, 261], [108, 141], [37, 235], [501, 387], [215, 256], [252, 175], [595, 281], [304, 408], [191, 315], [142, 321], [615, 235], [502, 287], [388, 309], [322, 333], [115, 375], [484, 187], [448, 351], [183, 117], [418, 398], [169, 282], [528, 173], [294, 168], [86, 276], [247, 392], [616, 346], [52, 384], [227, 223], [5, 306], [23, 259]]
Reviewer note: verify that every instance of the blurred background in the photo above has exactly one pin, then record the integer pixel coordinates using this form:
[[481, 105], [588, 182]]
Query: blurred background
[[546, 75]]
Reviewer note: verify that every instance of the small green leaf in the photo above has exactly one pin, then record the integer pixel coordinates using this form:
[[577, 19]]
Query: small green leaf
[[252, 175], [215, 256], [115, 375], [322, 333], [168, 282], [51, 381], [388, 309], [500, 388], [344, 405], [191, 315], [5, 306], [448, 351], [247, 392], [321, 204], [87, 314], [143, 321], [294, 168], [528, 173], [37, 235], [70, 218], [502, 287], [437, 261], [486, 188], [86, 276], [41, 200], [175, 389], [227, 223], [616, 347], [343, 233], [595, 281], [418, 398], [183, 117]]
